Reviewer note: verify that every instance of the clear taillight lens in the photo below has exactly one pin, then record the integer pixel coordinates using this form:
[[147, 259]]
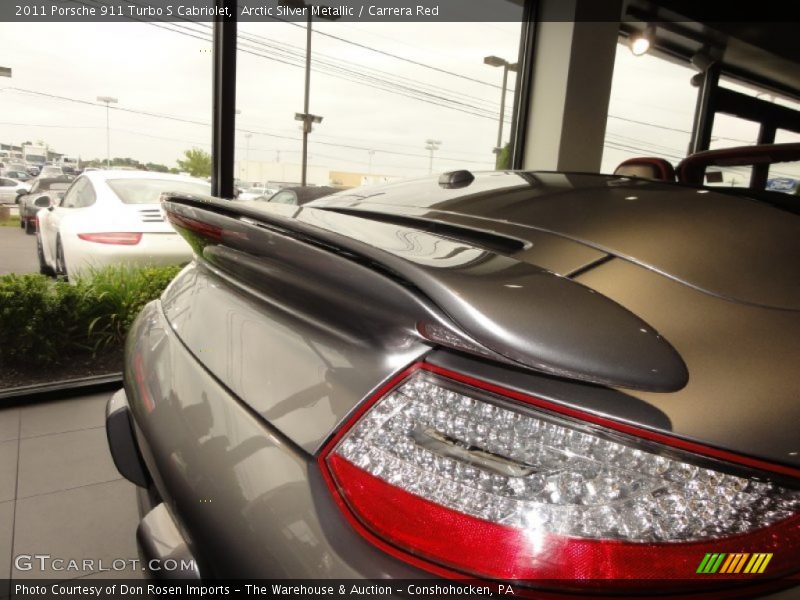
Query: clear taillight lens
[[534, 484]]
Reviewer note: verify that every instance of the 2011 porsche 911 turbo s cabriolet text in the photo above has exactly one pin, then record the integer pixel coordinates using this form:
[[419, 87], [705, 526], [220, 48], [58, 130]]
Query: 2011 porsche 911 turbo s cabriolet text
[[573, 382]]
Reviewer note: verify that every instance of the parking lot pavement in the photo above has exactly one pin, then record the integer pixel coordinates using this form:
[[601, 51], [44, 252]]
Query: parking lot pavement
[[17, 251]]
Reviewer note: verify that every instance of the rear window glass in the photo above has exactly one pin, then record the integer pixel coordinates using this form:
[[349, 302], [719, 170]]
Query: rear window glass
[[148, 191], [54, 185]]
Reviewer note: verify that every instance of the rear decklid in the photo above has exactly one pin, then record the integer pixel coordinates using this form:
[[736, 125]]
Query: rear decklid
[[728, 246]]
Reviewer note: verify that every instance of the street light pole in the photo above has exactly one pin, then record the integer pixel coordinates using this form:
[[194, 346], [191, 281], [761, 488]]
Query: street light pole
[[108, 101], [431, 146], [496, 61]]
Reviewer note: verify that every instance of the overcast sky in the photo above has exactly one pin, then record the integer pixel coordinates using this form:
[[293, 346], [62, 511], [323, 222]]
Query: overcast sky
[[165, 69]]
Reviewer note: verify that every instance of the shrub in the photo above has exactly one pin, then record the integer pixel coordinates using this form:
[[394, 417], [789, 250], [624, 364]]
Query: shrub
[[45, 322]]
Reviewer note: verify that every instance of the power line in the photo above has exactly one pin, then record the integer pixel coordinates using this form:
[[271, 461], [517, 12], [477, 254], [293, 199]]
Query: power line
[[395, 56], [244, 130], [325, 66], [665, 127], [299, 54]]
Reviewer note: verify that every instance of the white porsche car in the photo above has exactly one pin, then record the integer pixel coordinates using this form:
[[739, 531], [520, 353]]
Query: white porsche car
[[112, 217]]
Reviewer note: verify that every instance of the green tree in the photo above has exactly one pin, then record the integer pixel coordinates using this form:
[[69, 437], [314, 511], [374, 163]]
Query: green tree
[[157, 167], [197, 163], [504, 158]]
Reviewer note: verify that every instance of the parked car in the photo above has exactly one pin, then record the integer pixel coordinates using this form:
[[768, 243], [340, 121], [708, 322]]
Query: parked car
[[51, 171], [13, 174], [112, 217], [10, 189], [571, 382], [298, 195], [786, 185], [254, 192], [44, 192], [17, 166]]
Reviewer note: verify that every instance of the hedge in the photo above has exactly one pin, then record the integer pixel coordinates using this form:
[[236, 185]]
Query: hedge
[[45, 322]]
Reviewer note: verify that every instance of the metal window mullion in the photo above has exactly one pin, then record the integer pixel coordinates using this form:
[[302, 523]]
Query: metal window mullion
[[224, 102]]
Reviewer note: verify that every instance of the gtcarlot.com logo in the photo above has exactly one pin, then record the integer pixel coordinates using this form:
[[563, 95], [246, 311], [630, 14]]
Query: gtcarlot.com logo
[[735, 563], [46, 562]]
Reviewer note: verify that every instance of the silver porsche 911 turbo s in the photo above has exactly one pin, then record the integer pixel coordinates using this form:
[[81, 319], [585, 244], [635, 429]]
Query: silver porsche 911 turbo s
[[571, 382]]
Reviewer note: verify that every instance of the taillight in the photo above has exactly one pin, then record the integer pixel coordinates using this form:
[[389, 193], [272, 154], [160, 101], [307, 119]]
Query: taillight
[[463, 478], [121, 239]]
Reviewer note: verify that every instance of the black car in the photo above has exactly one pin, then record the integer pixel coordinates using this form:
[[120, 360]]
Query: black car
[[43, 193], [567, 382]]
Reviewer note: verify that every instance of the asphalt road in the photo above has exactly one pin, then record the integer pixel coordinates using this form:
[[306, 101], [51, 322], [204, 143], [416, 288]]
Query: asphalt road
[[17, 251]]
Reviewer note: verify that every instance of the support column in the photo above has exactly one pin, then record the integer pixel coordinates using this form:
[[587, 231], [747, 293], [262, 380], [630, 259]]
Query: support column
[[704, 110], [572, 67], [224, 118]]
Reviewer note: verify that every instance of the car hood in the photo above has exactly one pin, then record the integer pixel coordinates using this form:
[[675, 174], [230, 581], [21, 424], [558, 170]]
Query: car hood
[[732, 247]]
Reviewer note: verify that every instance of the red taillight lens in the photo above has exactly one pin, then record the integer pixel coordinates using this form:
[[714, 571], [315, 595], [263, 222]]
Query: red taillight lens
[[121, 239], [460, 477]]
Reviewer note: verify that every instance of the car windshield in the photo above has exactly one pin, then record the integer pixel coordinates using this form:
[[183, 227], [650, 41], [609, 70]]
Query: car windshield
[[148, 191]]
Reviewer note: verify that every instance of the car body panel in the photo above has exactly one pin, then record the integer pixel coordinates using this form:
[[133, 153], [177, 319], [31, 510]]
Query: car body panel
[[228, 477], [743, 391], [749, 250], [309, 385]]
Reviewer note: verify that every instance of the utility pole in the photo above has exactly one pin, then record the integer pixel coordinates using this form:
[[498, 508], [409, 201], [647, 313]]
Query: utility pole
[[108, 100], [431, 146], [371, 154], [306, 117], [246, 169]]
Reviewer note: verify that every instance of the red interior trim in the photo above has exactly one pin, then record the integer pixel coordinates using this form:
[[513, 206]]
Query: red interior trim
[[693, 168], [666, 170]]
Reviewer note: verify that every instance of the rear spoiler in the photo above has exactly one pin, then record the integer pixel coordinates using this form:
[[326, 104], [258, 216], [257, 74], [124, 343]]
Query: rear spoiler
[[485, 303]]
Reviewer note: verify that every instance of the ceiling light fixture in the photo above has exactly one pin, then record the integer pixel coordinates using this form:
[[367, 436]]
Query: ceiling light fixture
[[642, 42]]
